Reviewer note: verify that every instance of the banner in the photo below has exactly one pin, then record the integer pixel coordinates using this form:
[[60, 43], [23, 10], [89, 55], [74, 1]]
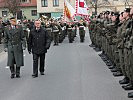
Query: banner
[[69, 11], [82, 9]]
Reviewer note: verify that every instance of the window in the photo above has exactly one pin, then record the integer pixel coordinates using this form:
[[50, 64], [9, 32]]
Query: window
[[44, 3], [4, 13], [55, 3], [34, 12], [24, 1]]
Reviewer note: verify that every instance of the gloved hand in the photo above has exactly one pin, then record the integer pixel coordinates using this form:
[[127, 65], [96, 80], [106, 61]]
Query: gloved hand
[[23, 48], [5, 49], [29, 52]]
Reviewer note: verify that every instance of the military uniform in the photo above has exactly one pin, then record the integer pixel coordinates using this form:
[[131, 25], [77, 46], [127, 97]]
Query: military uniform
[[14, 43], [82, 32], [55, 31], [1, 31], [70, 33]]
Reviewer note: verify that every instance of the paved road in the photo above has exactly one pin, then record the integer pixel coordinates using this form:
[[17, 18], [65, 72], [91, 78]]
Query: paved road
[[73, 72], [1, 48]]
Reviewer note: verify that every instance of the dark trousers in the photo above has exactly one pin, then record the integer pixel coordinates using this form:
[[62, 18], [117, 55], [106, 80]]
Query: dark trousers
[[0, 37], [15, 70], [35, 63]]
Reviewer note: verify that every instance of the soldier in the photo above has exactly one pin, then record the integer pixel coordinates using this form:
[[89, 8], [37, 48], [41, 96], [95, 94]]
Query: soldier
[[130, 95], [91, 30], [25, 29], [55, 30], [48, 27], [119, 50], [14, 43], [70, 33], [1, 29], [82, 32], [126, 16]]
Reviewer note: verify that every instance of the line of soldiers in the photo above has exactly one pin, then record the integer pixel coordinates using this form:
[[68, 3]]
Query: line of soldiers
[[58, 30], [112, 33]]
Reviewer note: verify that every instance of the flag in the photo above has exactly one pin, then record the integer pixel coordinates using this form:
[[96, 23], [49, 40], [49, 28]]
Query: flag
[[69, 11], [82, 9]]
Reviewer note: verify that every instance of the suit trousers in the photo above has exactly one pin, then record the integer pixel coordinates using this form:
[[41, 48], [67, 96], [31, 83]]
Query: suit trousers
[[35, 63]]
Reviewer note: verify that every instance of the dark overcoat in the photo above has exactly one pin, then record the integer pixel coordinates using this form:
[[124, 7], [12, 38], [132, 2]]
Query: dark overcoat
[[14, 41]]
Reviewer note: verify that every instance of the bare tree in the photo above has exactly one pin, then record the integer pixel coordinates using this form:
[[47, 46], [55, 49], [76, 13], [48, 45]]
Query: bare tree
[[13, 6], [128, 3], [97, 4]]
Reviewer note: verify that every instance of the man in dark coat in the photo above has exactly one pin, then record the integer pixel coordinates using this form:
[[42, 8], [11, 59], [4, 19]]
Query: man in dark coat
[[14, 43], [38, 43]]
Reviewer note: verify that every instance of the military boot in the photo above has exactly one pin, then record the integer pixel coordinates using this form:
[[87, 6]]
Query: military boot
[[12, 69], [17, 72], [130, 95], [128, 87], [124, 81]]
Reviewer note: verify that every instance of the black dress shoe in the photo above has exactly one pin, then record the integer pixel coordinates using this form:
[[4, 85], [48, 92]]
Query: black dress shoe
[[108, 64], [42, 73], [118, 73], [126, 85], [129, 87], [130, 95], [111, 67], [91, 45], [124, 81], [17, 76], [34, 75], [12, 76], [113, 70]]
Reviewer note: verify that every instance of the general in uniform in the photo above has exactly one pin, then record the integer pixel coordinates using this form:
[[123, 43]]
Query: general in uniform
[[14, 43]]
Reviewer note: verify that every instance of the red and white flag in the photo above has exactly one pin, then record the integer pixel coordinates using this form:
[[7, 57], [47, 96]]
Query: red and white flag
[[82, 9]]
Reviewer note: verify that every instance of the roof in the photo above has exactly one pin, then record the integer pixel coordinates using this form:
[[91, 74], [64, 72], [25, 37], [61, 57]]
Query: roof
[[33, 3]]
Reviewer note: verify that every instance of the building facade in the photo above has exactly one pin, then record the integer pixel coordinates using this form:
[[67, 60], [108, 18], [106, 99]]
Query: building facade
[[28, 10], [111, 5], [52, 8]]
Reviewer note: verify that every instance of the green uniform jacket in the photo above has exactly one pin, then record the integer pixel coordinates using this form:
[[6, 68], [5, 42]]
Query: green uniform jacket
[[14, 41]]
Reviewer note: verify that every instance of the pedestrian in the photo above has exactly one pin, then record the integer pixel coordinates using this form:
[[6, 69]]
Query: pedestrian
[[38, 43], [14, 43]]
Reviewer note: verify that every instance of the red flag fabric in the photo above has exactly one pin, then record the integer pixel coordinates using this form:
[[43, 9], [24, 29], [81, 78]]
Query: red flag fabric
[[81, 3]]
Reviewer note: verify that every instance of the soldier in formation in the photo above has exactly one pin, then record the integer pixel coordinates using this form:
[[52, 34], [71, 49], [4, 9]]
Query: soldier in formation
[[111, 33], [1, 29]]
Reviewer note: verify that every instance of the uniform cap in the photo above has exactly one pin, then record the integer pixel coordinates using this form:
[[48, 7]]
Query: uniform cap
[[127, 10]]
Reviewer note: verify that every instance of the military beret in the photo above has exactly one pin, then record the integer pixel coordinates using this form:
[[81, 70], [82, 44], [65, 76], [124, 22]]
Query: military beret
[[121, 13], [115, 14], [112, 13], [107, 12], [127, 10]]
